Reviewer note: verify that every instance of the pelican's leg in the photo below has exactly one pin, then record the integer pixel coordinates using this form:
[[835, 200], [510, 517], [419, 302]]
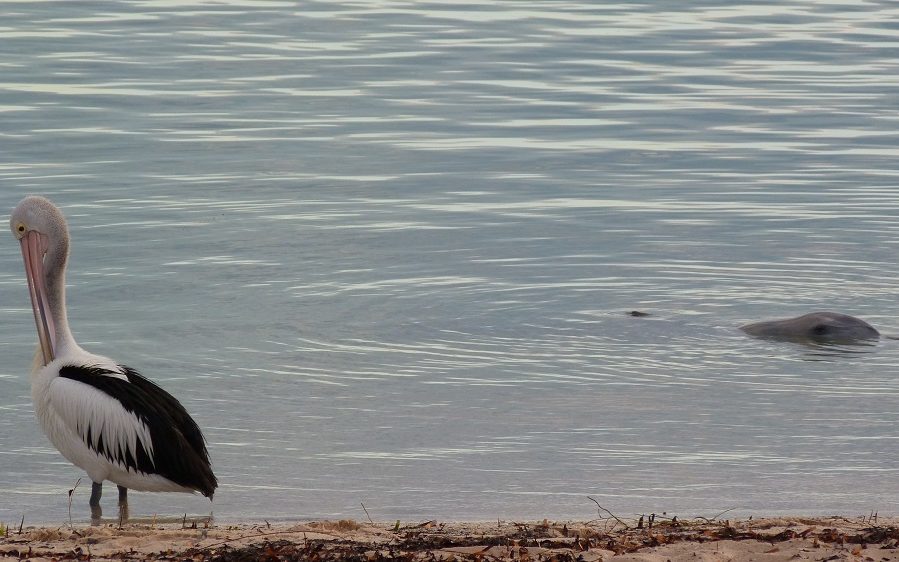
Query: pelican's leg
[[96, 492], [123, 504]]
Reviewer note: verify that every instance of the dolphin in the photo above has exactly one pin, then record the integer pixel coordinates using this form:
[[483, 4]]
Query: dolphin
[[816, 327]]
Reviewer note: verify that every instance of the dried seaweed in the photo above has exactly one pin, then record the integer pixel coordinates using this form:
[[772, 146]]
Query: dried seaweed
[[522, 542], [535, 543]]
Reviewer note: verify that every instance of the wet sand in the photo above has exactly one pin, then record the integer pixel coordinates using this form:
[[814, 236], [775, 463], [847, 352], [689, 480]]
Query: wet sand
[[774, 539]]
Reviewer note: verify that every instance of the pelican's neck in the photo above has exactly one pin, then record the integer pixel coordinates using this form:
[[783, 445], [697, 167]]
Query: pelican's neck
[[55, 267]]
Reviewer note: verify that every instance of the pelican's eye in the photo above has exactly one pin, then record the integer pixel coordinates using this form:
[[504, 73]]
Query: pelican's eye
[[20, 230]]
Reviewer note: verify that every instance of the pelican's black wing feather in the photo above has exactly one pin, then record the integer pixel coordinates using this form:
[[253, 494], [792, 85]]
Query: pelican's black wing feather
[[179, 449]]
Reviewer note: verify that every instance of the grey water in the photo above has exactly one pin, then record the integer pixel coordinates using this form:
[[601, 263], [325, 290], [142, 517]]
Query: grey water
[[384, 250]]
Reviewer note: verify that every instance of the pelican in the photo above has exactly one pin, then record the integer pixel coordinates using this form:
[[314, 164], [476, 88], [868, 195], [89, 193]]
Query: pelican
[[103, 417]]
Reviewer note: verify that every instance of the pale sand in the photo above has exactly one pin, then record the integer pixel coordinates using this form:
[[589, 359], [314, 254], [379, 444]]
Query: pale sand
[[773, 539]]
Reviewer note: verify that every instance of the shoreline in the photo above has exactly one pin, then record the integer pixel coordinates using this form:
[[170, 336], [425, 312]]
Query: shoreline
[[773, 538]]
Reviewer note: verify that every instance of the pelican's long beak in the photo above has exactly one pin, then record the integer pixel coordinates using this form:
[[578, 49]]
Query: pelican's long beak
[[34, 246]]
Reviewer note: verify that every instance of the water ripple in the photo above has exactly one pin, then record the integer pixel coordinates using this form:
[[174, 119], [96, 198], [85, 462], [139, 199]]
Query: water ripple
[[394, 243]]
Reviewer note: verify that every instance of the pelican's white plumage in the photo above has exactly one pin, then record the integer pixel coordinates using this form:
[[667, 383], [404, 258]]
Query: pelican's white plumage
[[103, 417]]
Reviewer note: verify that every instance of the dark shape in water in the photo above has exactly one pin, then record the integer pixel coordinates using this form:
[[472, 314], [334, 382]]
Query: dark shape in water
[[637, 313], [816, 327]]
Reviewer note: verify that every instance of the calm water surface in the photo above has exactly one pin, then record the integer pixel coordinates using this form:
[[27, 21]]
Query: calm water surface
[[383, 250]]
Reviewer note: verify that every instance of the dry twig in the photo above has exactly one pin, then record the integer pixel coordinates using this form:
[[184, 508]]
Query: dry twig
[[626, 526]]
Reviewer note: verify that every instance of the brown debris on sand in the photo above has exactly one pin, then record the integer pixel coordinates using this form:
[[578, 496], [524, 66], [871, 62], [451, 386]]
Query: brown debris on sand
[[795, 538]]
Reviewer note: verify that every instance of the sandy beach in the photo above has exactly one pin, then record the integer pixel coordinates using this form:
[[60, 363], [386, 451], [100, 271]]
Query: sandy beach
[[775, 539]]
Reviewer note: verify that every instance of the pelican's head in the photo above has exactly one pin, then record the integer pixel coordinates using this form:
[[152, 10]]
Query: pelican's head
[[41, 230], [38, 214]]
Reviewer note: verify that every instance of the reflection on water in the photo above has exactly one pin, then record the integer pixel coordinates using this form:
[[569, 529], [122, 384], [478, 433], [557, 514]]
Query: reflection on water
[[382, 250], [824, 352]]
